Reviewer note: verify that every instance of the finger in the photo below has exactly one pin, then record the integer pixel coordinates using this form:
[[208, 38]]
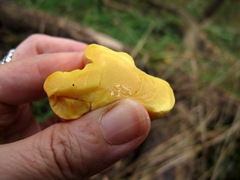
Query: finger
[[80, 148], [22, 81], [42, 44]]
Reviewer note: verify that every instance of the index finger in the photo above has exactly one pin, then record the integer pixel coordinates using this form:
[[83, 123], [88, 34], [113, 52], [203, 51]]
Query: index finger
[[22, 81], [43, 44]]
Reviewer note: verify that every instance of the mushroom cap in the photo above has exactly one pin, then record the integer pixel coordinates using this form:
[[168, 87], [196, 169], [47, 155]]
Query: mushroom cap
[[110, 76]]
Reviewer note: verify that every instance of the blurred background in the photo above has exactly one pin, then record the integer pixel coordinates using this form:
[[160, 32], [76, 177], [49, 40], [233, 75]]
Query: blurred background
[[193, 44]]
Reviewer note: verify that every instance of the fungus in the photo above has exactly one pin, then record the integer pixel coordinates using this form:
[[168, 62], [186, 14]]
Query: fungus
[[109, 76]]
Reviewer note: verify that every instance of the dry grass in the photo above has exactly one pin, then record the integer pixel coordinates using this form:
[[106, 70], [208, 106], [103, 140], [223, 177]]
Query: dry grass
[[199, 139]]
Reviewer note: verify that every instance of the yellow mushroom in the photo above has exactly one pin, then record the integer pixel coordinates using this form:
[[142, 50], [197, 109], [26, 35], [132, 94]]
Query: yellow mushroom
[[110, 76]]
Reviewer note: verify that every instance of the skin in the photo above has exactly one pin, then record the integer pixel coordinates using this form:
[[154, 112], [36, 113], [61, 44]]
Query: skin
[[56, 149]]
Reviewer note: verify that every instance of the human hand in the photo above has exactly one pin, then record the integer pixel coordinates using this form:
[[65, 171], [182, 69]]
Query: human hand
[[56, 149]]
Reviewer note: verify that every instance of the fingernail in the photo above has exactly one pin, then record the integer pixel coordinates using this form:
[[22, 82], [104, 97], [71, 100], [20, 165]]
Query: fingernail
[[126, 121]]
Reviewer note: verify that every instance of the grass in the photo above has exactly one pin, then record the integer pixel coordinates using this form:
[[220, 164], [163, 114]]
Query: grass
[[128, 26], [41, 110]]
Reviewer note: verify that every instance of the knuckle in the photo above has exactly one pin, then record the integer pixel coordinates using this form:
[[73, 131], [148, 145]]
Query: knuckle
[[34, 37], [66, 152]]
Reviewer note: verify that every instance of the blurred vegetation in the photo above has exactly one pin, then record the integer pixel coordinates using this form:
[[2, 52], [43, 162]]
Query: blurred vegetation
[[130, 24], [203, 69]]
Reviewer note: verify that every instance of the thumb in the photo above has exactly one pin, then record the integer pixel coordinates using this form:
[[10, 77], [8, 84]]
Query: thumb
[[78, 149]]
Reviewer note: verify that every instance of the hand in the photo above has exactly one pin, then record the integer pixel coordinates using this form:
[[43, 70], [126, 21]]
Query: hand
[[56, 149]]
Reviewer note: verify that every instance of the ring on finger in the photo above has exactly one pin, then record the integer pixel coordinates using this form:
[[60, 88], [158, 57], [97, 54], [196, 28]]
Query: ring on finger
[[8, 57]]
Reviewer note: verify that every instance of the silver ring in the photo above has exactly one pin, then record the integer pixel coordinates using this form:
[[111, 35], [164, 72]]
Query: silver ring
[[8, 57]]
